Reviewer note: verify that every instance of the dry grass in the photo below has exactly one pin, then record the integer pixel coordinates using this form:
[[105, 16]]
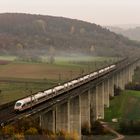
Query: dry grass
[[38, 71]]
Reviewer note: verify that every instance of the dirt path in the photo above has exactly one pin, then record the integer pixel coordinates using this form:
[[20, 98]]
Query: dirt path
[[119, 136]]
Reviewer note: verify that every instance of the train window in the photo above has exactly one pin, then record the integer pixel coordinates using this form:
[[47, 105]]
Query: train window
[[28, 103], [18, 104], [40, 98], [23, 105]]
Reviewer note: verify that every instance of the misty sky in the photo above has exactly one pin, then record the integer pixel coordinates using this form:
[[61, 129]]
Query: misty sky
[[103, 12]]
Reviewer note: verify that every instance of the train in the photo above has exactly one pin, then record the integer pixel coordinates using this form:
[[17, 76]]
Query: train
[[42, 96]]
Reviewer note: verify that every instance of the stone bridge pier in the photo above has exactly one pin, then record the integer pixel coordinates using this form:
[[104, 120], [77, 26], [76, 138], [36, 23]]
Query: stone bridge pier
[[65, 116]]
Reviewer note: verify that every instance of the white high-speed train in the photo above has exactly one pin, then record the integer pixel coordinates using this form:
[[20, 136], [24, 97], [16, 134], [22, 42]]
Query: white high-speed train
[[32, 100]]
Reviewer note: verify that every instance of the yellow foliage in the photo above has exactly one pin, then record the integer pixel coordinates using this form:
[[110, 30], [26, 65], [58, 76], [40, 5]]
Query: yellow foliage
[[19, 136], [74, 136], [68, 136], [61, 133], [8, 130], [52, 137], [31, 131]]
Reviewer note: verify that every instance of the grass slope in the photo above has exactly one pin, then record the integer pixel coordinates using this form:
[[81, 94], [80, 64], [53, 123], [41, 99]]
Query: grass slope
[[13, 91], [125, 106]]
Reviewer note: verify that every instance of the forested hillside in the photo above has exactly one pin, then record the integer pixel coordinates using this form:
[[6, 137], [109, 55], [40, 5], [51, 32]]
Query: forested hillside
[[34, 35]]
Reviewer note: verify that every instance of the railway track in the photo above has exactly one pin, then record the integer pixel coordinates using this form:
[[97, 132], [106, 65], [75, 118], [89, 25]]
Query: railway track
[[8, 115]]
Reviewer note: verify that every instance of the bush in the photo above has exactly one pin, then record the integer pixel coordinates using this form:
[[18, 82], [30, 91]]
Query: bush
[[25, 124], [85, 130], [31, 131], [97, 128], [133, 86], [74, 136], [63, 135], [8, 131], [19, 137], [117, 90], [111, 97], [130, 127]]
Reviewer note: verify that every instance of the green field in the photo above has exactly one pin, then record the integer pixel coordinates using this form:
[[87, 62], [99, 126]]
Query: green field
[[19, 78], [125, 106], [13, 91], [9, 58]]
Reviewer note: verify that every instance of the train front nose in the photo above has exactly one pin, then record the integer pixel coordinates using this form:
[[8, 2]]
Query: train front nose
[[16, 109], [17, 106]]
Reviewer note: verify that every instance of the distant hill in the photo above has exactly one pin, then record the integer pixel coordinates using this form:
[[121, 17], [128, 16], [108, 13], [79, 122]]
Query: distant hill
[[132, 33], [26, 35]]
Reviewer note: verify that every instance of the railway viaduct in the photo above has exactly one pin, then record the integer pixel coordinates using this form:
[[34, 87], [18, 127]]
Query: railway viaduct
[[84, 103]]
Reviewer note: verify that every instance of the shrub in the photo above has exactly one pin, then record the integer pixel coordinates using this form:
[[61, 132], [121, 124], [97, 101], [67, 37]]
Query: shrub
[[133, 86], [19, 136], [117, 90], [8, 130], [85, 130], [97, 128], [25, 124], [31, 131], [130, 127], [111, 97]]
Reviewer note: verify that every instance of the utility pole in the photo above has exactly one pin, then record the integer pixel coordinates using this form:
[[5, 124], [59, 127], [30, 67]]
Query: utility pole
[[59, 78], [31, 99], [1, 96], [71, 74], [82, 72]]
